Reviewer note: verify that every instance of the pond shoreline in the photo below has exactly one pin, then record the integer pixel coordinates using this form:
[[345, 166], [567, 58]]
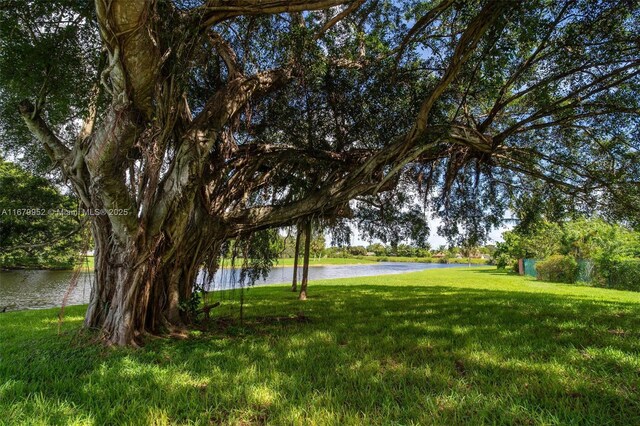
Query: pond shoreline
[[41, 289]]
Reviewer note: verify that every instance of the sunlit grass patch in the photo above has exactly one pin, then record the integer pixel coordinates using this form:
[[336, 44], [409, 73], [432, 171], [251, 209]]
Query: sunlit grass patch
[[455, 346]]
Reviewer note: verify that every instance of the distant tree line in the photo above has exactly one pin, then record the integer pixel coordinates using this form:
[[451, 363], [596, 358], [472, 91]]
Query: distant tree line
[[441, 253]]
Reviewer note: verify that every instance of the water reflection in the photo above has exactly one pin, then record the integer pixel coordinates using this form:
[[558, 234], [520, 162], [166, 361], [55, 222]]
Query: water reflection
[[42, 289]]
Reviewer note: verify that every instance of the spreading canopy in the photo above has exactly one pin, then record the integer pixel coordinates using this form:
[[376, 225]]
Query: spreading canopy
[[211, 120], [331, 100]]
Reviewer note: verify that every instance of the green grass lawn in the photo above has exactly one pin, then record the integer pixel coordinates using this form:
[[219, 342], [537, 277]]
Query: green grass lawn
[[454, 346]]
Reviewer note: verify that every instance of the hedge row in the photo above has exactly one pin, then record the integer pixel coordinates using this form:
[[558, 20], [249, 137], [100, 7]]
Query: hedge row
[[619, 274], [623, 275], [558, 268]]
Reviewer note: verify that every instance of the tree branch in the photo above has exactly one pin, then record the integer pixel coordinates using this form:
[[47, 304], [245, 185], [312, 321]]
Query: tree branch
[[400, 152], [216, 11], [262, 217], [90, 119], [57, 151], [187, 167], [575, 97], [427, 19], [227, 54], [523, 67], [465, 47], [226, 102], [340, 16], [503, 103], [125, 27]]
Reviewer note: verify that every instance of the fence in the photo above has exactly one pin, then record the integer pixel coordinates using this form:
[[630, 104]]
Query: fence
[[530, 267], [585, 269]]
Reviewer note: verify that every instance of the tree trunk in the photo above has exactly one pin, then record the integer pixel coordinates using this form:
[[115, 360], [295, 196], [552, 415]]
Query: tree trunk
[[294, 282], [139, 287], [305, 265]]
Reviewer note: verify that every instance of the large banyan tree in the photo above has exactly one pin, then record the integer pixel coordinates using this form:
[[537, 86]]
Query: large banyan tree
[[183, 124]]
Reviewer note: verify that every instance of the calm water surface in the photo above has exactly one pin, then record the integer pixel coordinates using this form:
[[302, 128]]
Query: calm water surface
[[47, 289]]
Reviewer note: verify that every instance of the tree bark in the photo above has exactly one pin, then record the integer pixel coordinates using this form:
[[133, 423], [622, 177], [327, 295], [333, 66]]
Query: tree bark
[[294, 281], [139, 288], [305, 265]]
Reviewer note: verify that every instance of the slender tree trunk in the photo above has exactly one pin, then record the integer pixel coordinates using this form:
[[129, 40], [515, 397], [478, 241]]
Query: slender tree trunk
[[294, 281], [305, 265]]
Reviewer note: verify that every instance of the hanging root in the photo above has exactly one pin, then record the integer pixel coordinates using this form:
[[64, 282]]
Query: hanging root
[[206, 309]]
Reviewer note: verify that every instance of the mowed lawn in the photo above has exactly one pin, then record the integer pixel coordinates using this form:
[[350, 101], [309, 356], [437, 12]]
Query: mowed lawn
[[452, 346]]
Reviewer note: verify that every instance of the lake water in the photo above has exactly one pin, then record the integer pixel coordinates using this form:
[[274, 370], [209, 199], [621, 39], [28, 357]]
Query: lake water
[[47, 289]]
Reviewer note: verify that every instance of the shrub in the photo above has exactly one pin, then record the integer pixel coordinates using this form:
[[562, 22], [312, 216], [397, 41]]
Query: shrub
[[357, 251], [558, 268], [502, 260], [423, 253], [622, 275]]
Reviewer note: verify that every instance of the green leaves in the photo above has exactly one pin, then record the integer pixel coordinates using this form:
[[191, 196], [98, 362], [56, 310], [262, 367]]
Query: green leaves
[[31, 233], [49, 55], [581, 238], [548, 97]]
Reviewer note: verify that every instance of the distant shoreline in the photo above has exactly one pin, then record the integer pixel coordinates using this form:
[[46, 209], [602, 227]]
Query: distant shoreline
[[87, 263]]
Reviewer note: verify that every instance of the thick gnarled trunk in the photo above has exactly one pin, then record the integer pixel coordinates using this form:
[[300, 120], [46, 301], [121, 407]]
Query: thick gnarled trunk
[[139, 289]]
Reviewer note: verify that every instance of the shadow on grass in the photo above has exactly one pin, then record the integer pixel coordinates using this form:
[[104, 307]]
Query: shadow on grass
[[371, 354]]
